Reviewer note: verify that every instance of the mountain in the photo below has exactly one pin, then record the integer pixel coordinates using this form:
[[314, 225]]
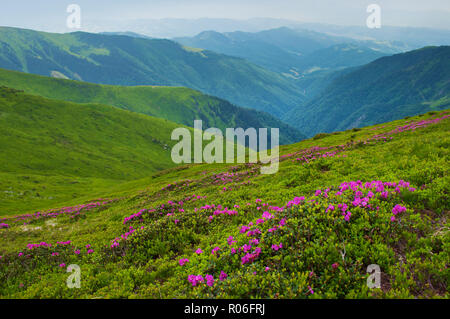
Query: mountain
[[338, 56], [176, 27], [124, 60], [408, 38], [287, 51], [127, 33], [245, 45], [340, 205], [404, 38], [176, 104], [386, 89]]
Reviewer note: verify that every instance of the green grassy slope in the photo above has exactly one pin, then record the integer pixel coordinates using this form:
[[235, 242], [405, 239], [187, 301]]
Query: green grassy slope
[[57, 149], [124, 60], [386, 89], [176, 104], [393, 177]]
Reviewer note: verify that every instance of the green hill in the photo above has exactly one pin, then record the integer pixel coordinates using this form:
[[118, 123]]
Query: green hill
[[176, 104], [63, 150], [125, 60], [339, 203], [389, 88]]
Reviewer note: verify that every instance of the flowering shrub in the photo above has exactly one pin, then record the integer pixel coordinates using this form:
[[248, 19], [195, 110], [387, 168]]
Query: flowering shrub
[[338, 204]]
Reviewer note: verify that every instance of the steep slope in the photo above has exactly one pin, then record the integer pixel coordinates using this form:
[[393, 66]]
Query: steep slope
[[386, 89], [339, 203], [245, 45], [176, 104], [73, 148], [124, 60]]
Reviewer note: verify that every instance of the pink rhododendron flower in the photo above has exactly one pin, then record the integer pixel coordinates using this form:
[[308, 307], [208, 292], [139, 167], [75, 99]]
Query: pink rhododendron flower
[[347, 216], [209, 280], [222, 276], [183, 261], [277, 247], [398, 209], [230, 240]]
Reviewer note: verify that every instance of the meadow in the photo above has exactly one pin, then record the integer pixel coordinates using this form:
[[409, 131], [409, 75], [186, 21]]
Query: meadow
[[339, 203]]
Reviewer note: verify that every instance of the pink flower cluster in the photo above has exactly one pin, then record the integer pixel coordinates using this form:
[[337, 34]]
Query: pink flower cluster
[[218, 211], [72, 211], [183, 261], [277, 247], [41, 244], [397, 210], [215, 250], [196, 279], [250, 257], [169, 209], [115, 241]]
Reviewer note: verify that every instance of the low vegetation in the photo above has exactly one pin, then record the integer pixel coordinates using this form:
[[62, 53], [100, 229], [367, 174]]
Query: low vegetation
[[339, 203]]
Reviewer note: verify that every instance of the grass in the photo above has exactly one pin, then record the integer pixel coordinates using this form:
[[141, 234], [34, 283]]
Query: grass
[[55, 151], [324, 254]]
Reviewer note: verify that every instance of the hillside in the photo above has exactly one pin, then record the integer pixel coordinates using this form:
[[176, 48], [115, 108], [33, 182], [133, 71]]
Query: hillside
[[339, 56], [339, 203], [389, 88], [125, 60], [176, 104], [53, 151]]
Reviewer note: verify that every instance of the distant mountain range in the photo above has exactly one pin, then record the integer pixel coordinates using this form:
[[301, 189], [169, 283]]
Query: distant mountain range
[[407, 38], [404, 38], [316, 82], [386, 89], [290, 51], [125, 60]]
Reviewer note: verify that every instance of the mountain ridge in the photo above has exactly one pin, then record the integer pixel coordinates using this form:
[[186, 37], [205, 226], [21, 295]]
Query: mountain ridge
[[124, 60], [176, 104], [413, 80]]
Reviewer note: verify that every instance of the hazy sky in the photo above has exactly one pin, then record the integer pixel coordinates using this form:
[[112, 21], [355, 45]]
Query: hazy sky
[[50, 15]]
